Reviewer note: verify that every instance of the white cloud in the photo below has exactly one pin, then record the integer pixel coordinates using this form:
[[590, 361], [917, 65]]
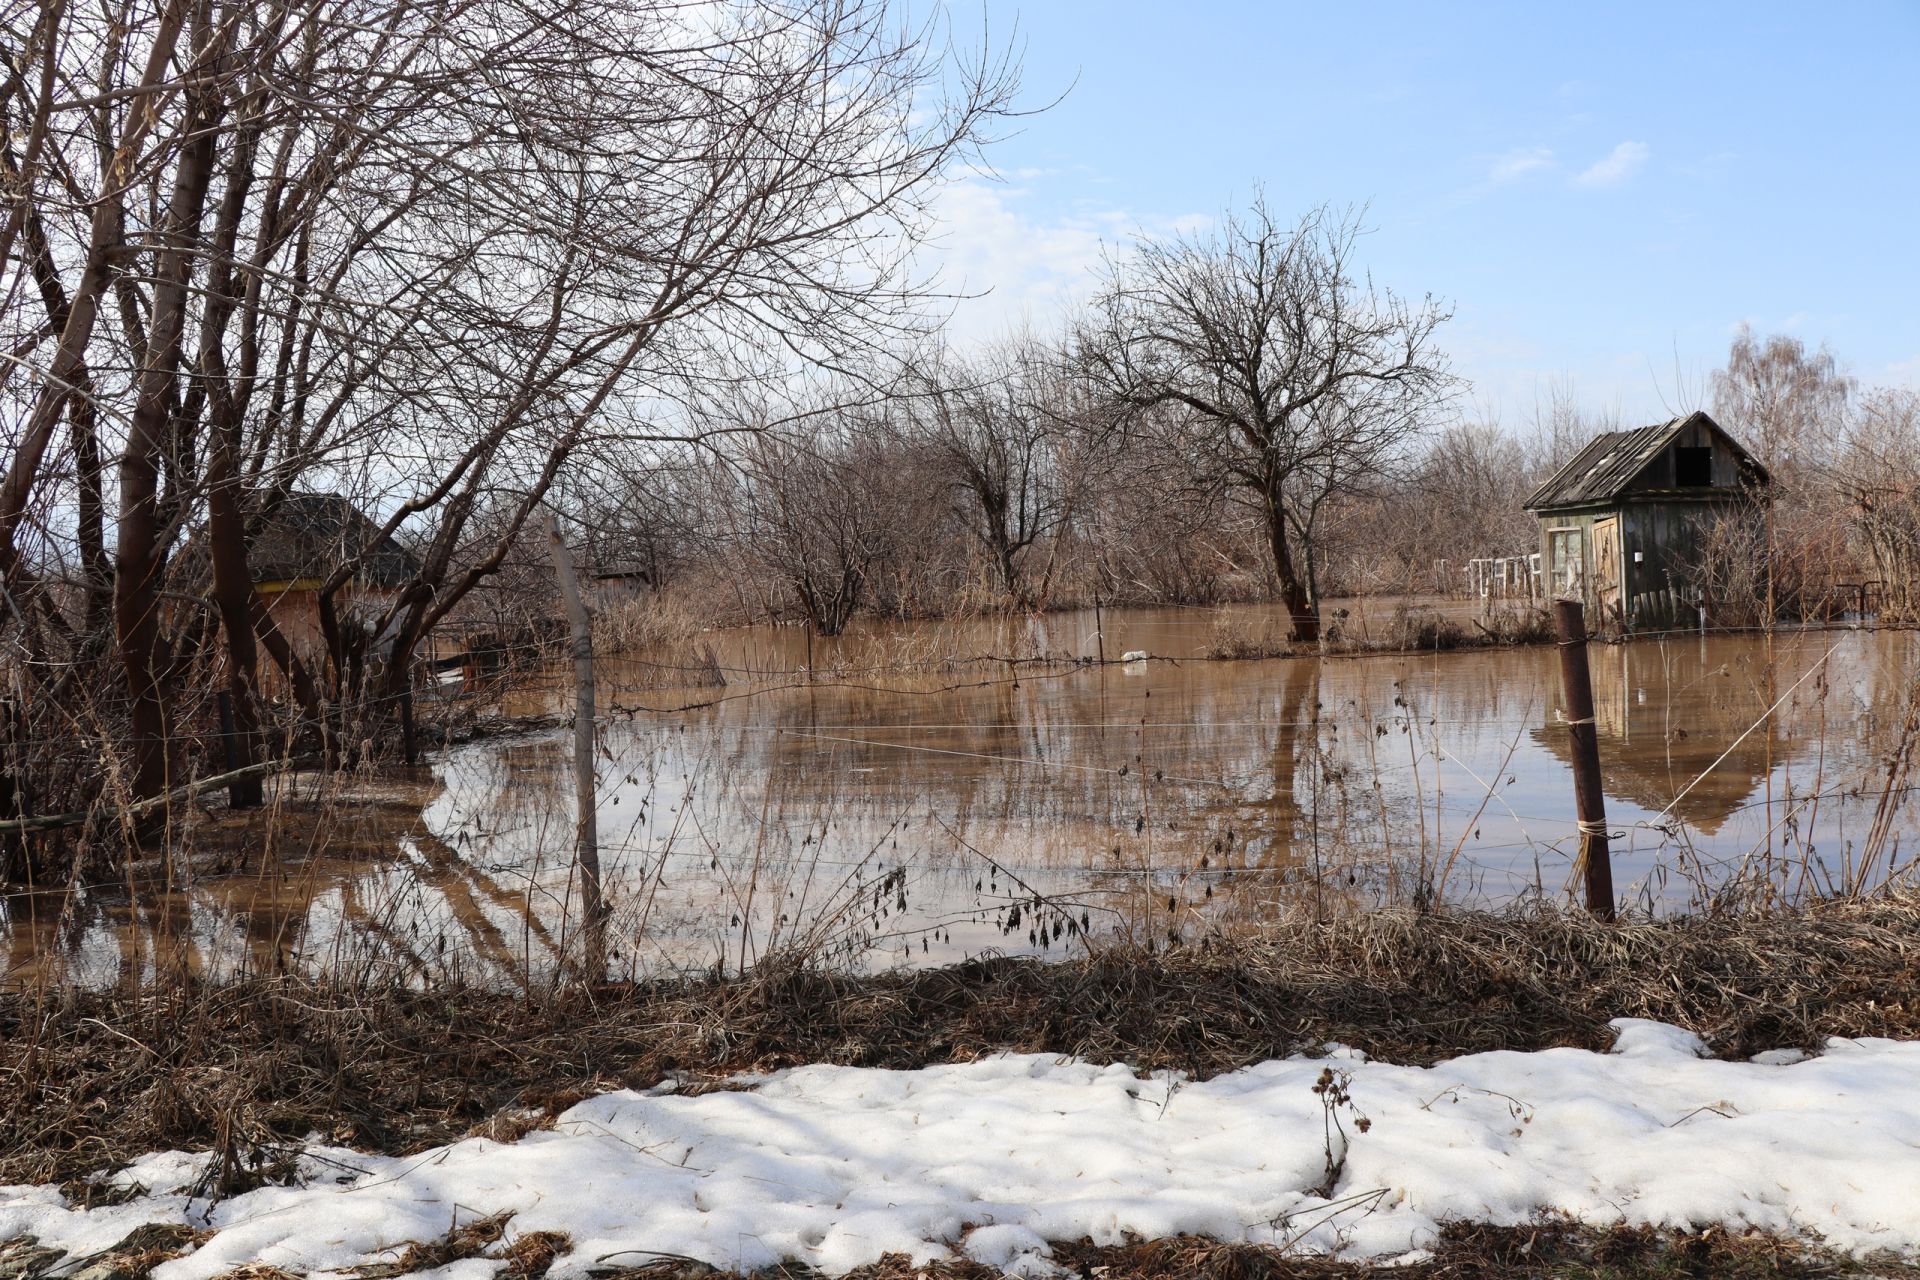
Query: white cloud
[[1024, 267], [1616, 166], [1519, 162]]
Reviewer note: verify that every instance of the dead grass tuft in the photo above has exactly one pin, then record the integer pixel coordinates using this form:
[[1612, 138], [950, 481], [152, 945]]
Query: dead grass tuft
[[469, 1239], [1549, 1249], [528, 1255], [25, 1258], [133, 1258], [531, 1254]]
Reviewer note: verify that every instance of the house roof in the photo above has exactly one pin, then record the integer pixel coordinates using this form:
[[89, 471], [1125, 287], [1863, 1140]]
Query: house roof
[[1612, 460], [310, 534]]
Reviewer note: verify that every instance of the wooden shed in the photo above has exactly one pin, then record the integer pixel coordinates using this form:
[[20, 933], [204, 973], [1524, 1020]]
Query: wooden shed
[[306, 539], [1623, 526]]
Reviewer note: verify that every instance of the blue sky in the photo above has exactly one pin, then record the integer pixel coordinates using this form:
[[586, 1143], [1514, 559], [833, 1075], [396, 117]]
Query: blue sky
[[1603, 191]]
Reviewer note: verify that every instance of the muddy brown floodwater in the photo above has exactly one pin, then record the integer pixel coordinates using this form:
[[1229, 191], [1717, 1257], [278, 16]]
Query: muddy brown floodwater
[[911, 799]]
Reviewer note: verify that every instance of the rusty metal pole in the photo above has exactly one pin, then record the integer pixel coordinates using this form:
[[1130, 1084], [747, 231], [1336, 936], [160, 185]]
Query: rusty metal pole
[[1570, 626]]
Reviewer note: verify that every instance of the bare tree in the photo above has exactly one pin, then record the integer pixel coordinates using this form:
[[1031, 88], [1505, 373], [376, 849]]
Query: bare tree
[[1786, 402], [1011, 431], [1156, 529], [419, 253], [1880, 474], [1791, 408], [1299, 379], [817, 514]]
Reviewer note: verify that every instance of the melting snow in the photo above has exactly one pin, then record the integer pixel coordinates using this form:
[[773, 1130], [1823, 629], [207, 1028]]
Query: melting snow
[[835, 1166]]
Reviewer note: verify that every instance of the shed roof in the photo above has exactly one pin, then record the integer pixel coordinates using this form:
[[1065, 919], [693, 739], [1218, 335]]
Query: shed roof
[[1612, 460], [312, 533]]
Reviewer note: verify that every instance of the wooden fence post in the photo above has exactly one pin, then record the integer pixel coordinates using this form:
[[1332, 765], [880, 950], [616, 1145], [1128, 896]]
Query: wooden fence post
[[1570, 626], [15, 800], [586, 832]]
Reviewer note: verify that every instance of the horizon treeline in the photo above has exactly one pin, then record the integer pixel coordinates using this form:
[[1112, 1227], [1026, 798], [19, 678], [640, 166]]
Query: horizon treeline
[[1008, 479]]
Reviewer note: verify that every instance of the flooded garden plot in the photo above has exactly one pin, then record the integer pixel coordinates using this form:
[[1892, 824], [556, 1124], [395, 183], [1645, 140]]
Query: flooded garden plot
[[923, 795]]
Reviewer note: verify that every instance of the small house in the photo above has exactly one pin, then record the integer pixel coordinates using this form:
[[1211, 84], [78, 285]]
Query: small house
[[1624, 526], [306, 539], [617, 584]]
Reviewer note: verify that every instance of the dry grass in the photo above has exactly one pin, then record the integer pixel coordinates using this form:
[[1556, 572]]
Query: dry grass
[[1235, 639], [475, 1238], [133, 1258], [90, 1080], [1472, 1252], [1549, 1250], [1410, 630], [528, 1256]]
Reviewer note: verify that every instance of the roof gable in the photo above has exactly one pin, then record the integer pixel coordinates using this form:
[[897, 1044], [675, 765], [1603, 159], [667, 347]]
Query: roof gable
[[1613, 460], [312, 534]]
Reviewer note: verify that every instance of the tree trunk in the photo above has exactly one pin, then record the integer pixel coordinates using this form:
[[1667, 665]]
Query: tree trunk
[[1302, 608], [586, 830], [90, 510], [140, 556], [105, 234], [233, 596]]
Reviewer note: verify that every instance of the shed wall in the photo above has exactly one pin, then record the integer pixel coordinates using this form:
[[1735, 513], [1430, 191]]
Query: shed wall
[[1669, 536]]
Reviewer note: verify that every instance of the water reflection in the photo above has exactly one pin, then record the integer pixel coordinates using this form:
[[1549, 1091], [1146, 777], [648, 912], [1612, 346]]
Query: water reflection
[[915, 815]]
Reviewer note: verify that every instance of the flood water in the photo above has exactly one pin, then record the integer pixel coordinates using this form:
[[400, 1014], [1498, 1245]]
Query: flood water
[[929, 792]]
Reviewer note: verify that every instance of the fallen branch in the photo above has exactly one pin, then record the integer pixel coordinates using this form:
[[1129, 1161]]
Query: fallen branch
[[56, 821]]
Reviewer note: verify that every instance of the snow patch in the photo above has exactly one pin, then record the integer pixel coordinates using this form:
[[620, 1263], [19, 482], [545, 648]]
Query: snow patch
[[1640, 1038], [835, 1166]]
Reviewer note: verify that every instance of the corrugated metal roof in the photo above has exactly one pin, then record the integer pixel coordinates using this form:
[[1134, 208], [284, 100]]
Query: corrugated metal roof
[[1612, 460]]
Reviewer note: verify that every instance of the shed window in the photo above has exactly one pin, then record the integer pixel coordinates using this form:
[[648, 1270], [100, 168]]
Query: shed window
[[1566, 561], [1693, 468]]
